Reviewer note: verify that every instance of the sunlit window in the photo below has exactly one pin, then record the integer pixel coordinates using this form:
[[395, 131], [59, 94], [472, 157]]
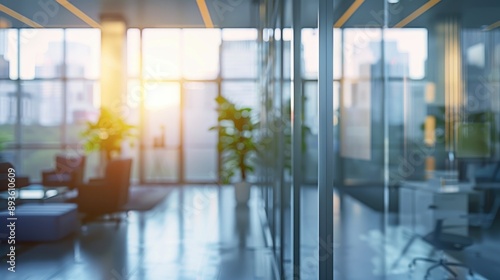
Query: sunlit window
[[133, 52], [406, 51], [41, 53], [161, 54], [8, 54], [200, 53], [83, 53]]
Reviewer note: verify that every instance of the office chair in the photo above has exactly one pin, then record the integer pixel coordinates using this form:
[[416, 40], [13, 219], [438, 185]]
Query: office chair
[[20, 181], [106, 195], [444, 242], [69, 172]]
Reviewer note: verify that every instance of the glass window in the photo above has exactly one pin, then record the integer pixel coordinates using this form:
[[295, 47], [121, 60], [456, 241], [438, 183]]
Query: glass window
[[41, 111], [200, 143], [310, 45], [83, 50], [239, 59], [133, 52], [362, 52], [161, 53], [8, 110], [200, 53], [239, 34], [8, 54], [161, 165], [162, 104], [161, 137], [41, 53], [33, 162], [242, 93], [406, 52], [82, 105]]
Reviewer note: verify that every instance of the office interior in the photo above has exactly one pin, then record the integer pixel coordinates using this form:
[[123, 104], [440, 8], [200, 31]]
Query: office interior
[[373, 131]]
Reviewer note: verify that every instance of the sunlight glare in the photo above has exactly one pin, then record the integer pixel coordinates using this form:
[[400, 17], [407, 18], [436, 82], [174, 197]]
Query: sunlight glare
[[162, 96]]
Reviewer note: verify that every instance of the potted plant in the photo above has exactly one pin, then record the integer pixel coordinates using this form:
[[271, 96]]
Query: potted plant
[[107, 135], [236, 145]]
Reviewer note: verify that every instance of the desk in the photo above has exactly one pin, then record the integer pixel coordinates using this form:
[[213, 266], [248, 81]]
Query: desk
[[422, 203]]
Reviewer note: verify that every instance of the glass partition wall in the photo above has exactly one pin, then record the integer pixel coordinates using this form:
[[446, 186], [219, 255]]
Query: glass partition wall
[[415, 114], [417, 163]]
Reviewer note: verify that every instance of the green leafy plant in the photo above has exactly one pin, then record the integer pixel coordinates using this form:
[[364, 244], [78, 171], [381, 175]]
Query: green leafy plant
[[3, 140], [107, 134], [281, 124], [472, 117], [236, 139]]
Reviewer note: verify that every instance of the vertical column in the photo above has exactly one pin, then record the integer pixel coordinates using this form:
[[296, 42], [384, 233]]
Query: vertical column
[[296, 136], [446, 73], [281, 161], [113, 62], [325, 140]]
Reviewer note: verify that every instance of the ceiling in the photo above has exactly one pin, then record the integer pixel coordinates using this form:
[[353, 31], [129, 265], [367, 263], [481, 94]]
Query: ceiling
[[137, 13], [243, 13], [473, 13]]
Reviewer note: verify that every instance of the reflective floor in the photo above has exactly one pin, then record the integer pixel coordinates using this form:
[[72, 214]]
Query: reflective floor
[[365, 248], [196, 233]]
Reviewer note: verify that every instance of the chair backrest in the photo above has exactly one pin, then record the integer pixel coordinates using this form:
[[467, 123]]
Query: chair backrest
[[4, 171], [71, 165], [67, 164], [447, 241], [4, 167], [118, 177]]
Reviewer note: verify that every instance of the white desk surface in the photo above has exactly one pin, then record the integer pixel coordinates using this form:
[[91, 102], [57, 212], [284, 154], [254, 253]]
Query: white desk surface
[[431, 186]]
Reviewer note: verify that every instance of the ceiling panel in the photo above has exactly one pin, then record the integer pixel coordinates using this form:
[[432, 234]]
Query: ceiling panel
[[244, 13], [137, 13]]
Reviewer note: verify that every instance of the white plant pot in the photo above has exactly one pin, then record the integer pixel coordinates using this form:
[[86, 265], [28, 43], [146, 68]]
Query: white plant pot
[[242, 192]]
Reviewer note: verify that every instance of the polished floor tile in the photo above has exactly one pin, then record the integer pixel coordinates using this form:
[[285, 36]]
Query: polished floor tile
[[366, 248], [196, 233]]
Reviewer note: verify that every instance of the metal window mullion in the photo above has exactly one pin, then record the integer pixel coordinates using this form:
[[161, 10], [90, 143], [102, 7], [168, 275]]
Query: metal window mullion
[[296, 137], [325, 140], [142, 121], [64, 94], [181, 156], [219, 94], [18, 133], [385, 110], [281, 160]]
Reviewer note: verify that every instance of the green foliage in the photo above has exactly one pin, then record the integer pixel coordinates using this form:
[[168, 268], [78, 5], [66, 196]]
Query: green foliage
[[107, 134], [282, 123], [473, 117], [236, 139], [3, 140]]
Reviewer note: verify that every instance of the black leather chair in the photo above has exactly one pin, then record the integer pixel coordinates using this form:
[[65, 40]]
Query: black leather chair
[[21, 181], [106, 195], [69, 172], [444, 242]]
